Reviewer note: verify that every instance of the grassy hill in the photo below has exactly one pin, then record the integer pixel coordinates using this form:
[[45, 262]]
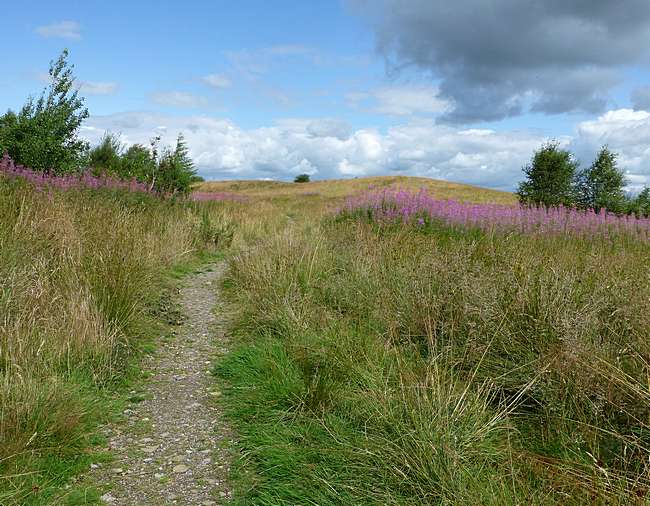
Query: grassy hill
[[336, 188]]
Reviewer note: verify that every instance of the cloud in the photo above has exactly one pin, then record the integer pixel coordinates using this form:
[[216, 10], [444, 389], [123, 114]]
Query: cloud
[[97, 88], [500, 58], [329, 148], [640, 98], [400, 100], [178, 99], [217, 81], [624, 131], [253, 63], [70, 30]]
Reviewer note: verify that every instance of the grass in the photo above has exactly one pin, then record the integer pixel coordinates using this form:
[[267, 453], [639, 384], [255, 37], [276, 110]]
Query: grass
[[371, 364], [390, 365], [84, 277], [338, 188]]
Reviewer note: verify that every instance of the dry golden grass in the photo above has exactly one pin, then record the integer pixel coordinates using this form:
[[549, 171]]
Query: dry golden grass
[[338, 188]]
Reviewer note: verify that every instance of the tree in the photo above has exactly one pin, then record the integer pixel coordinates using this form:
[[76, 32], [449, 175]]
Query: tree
[[175, 169], [601, 185], [43, 135], [642, 202], [549, 177], [139, 162], [107, 156], [301, 178]]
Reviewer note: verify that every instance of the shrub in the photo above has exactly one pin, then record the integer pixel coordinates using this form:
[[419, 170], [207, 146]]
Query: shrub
[[301, 178]]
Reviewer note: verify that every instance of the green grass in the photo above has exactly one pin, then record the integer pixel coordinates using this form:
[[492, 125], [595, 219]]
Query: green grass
[[389, 366]]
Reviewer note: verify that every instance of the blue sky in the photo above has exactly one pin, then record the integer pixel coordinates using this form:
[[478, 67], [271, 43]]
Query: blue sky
[[346, 88]]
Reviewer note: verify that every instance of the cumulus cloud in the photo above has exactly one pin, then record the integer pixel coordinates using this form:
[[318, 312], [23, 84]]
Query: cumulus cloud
[[624, 131], [70, 30], [178, 99], [97, 88], [217, 81], [328, 148], [504, 57]]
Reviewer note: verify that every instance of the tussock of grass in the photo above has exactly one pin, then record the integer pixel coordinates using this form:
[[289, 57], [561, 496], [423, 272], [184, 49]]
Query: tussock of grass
[[391, 366], [81, 273]]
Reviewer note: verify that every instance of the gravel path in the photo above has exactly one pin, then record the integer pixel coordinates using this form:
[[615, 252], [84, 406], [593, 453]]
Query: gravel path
[[173, 448]]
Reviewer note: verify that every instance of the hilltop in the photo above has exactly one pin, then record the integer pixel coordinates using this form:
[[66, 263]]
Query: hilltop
[[336, 188]]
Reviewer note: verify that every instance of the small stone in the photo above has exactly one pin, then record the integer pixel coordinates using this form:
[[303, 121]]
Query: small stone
[[158, 475], [150, 449], [208, 503], [215, 393], [178, 458], [117, 470], [107, 498], [222, 494], [180, 468], [94, 466]]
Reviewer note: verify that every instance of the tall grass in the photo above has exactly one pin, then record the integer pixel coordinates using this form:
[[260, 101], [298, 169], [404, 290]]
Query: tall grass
[[397, 365], [80, 271]]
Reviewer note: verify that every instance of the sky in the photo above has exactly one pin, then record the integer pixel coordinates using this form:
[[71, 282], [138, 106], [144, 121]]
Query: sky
[[463, 91]]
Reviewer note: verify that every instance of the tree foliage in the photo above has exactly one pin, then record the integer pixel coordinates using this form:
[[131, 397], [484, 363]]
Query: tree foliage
[[549, 177], [44, 134], [170, 173], [601, 185], [176, 169], [301, 178]]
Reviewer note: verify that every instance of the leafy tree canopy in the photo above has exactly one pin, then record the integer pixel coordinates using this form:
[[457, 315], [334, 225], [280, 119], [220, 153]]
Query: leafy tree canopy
[[549, 177], [44, 134]]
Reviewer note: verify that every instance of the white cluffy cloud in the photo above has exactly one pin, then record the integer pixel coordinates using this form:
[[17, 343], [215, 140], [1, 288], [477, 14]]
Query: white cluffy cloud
[[329, 148], [70, 30], [624, 131]]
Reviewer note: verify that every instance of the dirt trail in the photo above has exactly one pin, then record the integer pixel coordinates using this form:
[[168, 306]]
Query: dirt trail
[[174, 447]]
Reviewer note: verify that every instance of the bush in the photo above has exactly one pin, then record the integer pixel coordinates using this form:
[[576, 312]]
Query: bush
[[302, 178]]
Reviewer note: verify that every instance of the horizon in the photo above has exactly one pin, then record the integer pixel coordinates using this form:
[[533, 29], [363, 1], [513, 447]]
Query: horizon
[[349, 89]]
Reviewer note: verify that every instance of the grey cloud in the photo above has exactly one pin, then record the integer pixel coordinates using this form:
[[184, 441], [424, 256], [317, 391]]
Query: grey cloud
[[500, 58], [640, 98], [329, 128]]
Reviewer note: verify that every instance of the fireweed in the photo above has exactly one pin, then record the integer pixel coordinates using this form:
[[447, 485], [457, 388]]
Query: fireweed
[[392, 206], [86, 179]]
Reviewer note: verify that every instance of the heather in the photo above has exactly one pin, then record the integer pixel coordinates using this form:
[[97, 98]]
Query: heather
[[84, 290], [456, 362]]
